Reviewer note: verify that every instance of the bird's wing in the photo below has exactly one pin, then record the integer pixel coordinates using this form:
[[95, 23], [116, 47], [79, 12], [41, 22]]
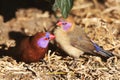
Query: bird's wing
[[80, 40]]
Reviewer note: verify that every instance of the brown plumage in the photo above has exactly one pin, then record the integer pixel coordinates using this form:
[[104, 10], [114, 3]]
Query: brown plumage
[[33, 48], [74, 41]]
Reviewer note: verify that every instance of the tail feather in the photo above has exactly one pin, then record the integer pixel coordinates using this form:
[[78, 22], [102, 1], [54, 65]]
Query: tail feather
[[105, 53], [102, 52]]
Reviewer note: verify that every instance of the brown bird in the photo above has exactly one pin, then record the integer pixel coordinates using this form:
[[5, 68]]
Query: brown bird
[[74, 41], [33, 48]]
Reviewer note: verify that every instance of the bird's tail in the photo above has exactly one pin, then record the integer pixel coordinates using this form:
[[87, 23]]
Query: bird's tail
[[102, 52]]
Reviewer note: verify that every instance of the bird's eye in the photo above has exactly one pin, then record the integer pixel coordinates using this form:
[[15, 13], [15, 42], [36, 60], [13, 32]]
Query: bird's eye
[[64, 23], [47, 38]]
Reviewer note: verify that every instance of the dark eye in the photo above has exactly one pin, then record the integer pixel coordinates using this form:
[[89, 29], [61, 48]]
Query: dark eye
[[47, 38], [64, 23]]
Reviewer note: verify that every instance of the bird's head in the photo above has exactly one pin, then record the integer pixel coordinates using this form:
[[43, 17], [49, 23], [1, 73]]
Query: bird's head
[[48, 36], [43, 41], [64, 24]]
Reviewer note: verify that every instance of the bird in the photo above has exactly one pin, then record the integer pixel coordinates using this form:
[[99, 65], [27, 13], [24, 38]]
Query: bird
[[74, 41], [33, 48]]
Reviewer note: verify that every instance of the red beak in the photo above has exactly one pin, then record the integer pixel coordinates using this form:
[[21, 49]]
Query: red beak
[[59, 24], [52, 37]]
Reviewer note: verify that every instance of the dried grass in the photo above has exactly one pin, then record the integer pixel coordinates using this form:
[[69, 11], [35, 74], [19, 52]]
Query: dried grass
[[101, 22]]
